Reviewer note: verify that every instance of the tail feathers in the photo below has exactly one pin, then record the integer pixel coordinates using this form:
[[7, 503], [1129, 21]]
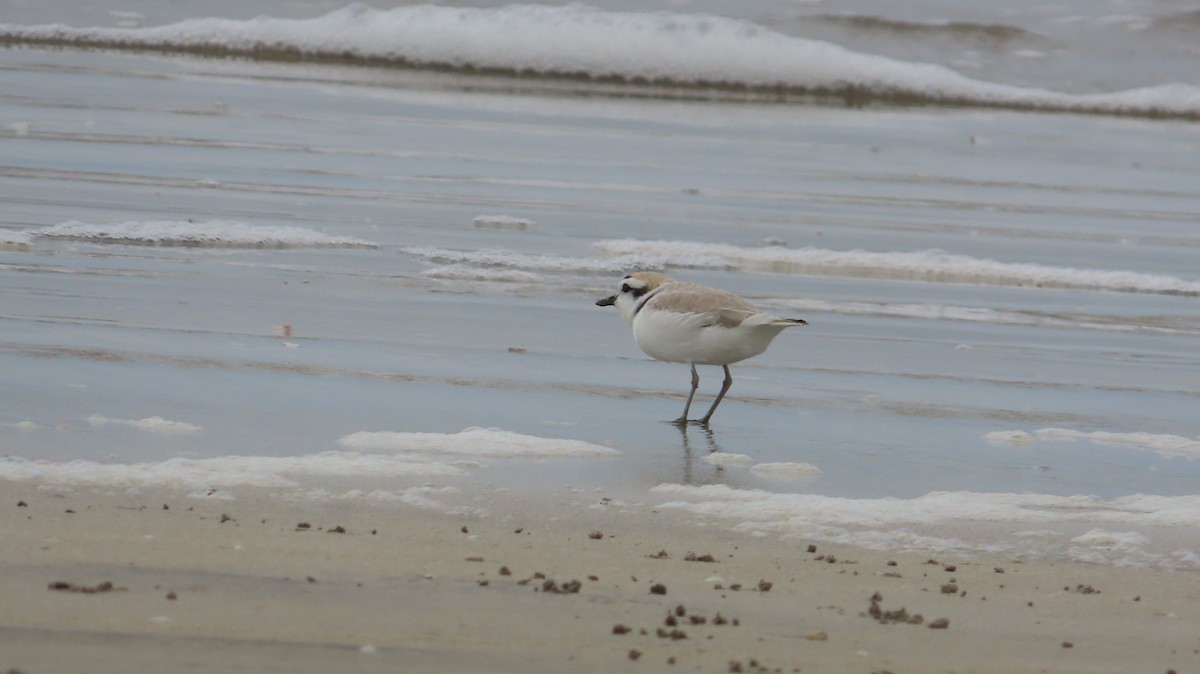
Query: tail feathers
[[763, 320], [789, 322]]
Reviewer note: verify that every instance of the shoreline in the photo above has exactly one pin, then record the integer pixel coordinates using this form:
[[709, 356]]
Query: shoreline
[[410, 589]]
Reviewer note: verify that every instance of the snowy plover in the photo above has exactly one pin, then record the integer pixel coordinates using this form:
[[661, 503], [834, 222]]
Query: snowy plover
[[694, 324]]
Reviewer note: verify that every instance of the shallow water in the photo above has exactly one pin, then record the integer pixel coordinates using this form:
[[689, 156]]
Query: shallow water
[[447, 324]]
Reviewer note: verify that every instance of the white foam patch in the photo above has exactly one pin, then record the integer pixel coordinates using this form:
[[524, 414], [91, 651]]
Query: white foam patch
[[425, 496], [503, 259], [463, 272], [1120, 548], [929, 266], [933, 508], [895, 523], [503, 222], [478, 442], [210, 234], [429, 497], [728, 460], [787, 470], [223, 472], [578, 39], [415, 455], [1168, 446], [1014, 438], [157, 425], [23, 426], [1111, 539]]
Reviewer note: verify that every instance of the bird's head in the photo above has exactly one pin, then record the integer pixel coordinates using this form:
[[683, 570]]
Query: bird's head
[[631, 290]]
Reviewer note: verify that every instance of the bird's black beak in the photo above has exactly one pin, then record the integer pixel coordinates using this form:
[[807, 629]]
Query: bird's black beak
[[607, 301]]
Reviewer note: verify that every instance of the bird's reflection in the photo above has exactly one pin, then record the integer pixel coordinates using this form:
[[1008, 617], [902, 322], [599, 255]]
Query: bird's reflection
[[689, 457]]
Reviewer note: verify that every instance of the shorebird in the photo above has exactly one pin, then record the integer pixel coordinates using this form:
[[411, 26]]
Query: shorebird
[[689, 323]]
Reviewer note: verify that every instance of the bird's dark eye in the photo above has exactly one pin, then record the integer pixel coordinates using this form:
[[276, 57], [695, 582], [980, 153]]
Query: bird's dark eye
[[625, 287]]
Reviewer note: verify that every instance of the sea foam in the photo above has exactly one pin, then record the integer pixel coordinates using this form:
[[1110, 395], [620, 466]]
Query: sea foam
[[787, 470], [891, 523], [1165, 445], [505, 259], [210, 234], [756, 505], [371, 456], [476, 442], [222, 472], [466, 272], [506, 222], [728, 460], [156, 424]]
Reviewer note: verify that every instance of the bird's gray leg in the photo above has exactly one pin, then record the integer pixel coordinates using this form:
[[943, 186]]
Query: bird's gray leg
[[724, 387], [695, 383]]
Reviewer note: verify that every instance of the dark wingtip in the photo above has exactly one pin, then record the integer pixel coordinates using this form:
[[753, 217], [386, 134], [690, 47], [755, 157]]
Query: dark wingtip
[[798, 321], [606, 301]]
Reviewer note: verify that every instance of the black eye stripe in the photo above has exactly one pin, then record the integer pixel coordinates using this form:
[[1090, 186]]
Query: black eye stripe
[[625, 287]]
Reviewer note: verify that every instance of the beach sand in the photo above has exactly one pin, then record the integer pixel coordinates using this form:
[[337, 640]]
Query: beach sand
[[209, 584]]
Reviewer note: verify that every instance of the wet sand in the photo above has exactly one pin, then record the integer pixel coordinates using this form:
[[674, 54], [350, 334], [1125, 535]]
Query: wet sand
[[204, 584]]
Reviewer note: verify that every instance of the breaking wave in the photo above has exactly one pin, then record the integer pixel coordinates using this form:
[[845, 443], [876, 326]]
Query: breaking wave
[[652, 53], [929, 266]]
